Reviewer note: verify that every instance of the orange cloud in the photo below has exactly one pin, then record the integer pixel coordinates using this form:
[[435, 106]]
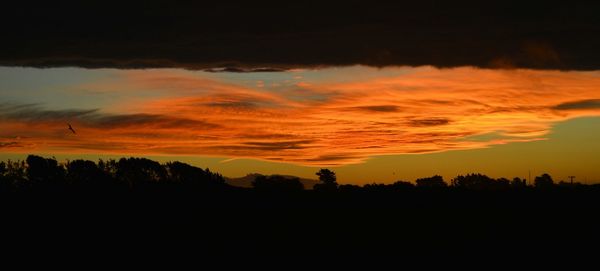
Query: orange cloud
[[331, 122]]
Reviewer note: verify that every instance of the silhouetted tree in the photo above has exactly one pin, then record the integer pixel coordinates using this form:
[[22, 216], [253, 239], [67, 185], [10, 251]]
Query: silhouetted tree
[[544, 181], [517, 183], [15, 175], [215, 178], [5, 183], [109, 167], [86, 174], [478, 181], [472, 181], [276, 183], [328, 180], [140, 172], [193, 177], [501, 183], [45, 172], [436, 181]]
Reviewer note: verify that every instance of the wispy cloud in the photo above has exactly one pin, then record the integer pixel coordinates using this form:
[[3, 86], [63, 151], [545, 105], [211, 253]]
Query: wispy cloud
[[420, 111], [11, 144], [376, 108], [429, 122]]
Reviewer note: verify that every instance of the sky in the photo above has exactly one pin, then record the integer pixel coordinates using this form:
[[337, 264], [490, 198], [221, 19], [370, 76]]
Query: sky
[[369, 124]]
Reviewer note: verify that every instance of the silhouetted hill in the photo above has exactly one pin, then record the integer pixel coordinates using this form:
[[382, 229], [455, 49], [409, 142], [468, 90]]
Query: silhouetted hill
[[246, 181]]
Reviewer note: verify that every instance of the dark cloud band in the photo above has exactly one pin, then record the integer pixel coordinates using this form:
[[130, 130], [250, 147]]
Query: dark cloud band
[[249, 36]]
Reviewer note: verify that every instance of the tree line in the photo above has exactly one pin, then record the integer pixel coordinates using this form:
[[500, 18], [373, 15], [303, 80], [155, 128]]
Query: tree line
[[39, 173]]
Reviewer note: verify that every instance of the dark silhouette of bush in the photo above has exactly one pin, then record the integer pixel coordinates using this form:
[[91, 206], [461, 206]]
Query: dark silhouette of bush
[[276, 183], [544, 181], [328, 181], [435, 181]]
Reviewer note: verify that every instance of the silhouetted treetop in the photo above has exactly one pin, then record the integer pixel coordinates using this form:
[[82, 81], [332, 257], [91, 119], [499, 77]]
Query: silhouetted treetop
[[134, 173], [328, 180], [191, 176], [476, 181], [140, 171], [518, 183], [435, 181], [544, 181], [44, 171]]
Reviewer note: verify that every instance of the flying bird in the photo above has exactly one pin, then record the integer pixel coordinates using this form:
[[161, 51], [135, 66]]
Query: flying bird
[[71, 128]]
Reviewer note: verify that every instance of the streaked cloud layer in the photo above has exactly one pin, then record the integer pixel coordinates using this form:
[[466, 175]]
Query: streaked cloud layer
[[308, 117]]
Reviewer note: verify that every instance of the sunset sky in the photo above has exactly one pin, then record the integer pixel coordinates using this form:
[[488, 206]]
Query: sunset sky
[[368, 124], [377, 91]]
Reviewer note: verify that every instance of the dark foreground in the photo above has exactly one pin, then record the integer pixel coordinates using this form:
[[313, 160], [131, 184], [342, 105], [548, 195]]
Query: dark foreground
[[246, 223], [146, 212]]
